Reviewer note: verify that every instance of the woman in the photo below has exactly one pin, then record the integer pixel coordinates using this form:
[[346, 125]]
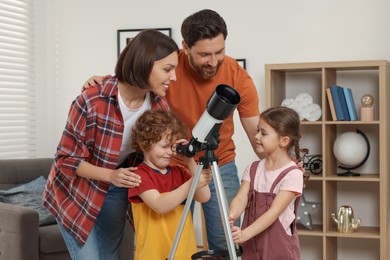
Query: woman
[[95, 162]]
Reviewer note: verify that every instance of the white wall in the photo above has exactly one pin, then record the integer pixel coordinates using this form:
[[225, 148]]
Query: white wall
[[77, 39]]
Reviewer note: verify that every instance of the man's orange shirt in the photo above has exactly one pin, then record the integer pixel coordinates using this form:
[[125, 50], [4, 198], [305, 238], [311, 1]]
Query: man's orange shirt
[[188, 97]]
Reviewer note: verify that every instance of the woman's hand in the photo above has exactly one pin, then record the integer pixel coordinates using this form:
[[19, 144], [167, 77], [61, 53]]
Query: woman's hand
[[125, 178]]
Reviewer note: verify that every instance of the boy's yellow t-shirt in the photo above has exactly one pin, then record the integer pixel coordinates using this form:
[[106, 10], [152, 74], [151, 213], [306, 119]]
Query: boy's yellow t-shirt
[[155, 233]]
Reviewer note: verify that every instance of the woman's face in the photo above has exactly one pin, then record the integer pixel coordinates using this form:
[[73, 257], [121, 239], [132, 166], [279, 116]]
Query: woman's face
[[163, 73]]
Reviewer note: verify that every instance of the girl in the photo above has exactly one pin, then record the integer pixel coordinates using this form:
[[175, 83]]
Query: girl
[[270, 191], [158, 202]]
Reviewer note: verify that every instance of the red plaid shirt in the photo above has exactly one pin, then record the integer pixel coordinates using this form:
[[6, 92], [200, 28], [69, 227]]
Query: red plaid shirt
[[93, 133]]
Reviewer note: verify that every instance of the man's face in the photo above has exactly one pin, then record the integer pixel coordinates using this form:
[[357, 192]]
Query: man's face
[[206, 56]]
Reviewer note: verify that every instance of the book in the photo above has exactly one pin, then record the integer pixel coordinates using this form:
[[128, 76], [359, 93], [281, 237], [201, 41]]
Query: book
[[337, 103], [343, 103], [331, 105], [350, 104]]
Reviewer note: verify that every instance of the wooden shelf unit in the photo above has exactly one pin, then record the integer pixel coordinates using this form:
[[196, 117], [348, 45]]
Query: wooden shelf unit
[[368, 194]]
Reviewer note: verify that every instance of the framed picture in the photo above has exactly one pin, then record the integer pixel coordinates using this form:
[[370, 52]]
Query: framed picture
[[242, 62], [125, 35]]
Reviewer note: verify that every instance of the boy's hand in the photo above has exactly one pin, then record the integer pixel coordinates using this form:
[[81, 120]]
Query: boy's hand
[[204, 178], [181, 157]]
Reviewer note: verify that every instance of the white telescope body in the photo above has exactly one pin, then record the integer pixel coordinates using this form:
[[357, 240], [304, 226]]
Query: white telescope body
[[220, 105], [204, 126]]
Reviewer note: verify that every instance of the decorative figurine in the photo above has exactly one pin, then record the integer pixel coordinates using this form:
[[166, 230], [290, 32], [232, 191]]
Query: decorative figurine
[[367, 110], [304, 212], [311, 162], [304, 106], [345, 220]]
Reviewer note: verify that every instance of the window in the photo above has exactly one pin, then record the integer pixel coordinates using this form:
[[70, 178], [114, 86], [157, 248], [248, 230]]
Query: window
[[17, 88]]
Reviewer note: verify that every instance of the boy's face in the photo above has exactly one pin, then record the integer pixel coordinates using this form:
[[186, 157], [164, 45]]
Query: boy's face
[[160, 155]]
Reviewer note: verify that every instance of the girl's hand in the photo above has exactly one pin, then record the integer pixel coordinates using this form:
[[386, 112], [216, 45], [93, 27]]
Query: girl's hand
[[238, 235], [125, 178], [232, 218]]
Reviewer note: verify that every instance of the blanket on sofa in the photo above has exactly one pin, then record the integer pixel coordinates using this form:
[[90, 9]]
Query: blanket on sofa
[[29, 195]]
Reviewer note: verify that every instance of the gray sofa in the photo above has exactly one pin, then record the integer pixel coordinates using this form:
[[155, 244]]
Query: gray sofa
[[21, 237]]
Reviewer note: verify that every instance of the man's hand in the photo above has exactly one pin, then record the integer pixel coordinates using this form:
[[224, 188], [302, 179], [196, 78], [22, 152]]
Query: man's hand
[[95, 80]]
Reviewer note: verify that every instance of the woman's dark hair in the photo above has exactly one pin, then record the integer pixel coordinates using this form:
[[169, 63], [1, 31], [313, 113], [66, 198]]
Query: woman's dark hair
[[152, 125], [286, 122], [135, 63], [205, 24]]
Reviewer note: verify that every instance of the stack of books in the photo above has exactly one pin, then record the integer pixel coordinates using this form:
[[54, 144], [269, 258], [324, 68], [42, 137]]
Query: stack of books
[[341, 103]]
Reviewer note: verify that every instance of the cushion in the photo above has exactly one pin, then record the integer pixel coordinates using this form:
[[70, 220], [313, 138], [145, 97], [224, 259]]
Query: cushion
[[51, 240], [29, 195]]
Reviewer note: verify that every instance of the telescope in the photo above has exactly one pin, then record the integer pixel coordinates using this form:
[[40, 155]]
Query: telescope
[[205, 136], [206, 131]]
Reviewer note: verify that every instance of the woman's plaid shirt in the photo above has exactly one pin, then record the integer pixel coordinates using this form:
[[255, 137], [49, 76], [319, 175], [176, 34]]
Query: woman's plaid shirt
[[93, 133]]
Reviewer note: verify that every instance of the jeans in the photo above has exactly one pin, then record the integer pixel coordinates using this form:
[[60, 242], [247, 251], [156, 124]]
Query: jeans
[[215, 231], [104, 241]]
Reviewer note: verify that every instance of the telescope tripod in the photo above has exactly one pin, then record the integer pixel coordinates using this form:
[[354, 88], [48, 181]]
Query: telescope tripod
[[206, 161]]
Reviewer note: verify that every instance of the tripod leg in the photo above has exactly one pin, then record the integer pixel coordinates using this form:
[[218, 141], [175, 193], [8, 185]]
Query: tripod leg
[[223, 209], [187, 206]]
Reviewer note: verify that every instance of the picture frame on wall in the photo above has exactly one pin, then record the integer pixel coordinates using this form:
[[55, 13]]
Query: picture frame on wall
[[125, 35], [242, 62]]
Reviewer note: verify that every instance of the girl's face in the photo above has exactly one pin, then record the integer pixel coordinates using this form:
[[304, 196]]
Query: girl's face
[[160, 155], [163, 73], [267, 139]]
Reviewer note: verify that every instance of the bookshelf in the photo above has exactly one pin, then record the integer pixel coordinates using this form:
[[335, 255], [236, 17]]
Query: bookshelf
[[368, 194]]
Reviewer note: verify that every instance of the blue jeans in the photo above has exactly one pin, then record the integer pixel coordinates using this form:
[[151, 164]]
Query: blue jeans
[[104, 241], [215, 232]]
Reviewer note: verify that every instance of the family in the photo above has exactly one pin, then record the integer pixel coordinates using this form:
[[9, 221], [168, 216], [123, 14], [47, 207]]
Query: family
[[117, 161]]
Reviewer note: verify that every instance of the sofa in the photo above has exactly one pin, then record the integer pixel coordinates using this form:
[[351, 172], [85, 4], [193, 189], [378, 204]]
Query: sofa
[[21, 236]]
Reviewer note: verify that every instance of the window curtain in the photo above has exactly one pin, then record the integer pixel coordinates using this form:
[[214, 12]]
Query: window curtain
[[17, 89]]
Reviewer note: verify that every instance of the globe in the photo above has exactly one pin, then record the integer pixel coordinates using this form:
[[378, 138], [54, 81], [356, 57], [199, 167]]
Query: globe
[[351, 149]]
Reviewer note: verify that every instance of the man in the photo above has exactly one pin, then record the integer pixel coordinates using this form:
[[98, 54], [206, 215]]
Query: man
[[202, 66]]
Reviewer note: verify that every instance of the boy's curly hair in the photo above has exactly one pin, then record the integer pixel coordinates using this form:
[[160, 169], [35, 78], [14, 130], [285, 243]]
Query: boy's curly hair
[[152, 125]]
